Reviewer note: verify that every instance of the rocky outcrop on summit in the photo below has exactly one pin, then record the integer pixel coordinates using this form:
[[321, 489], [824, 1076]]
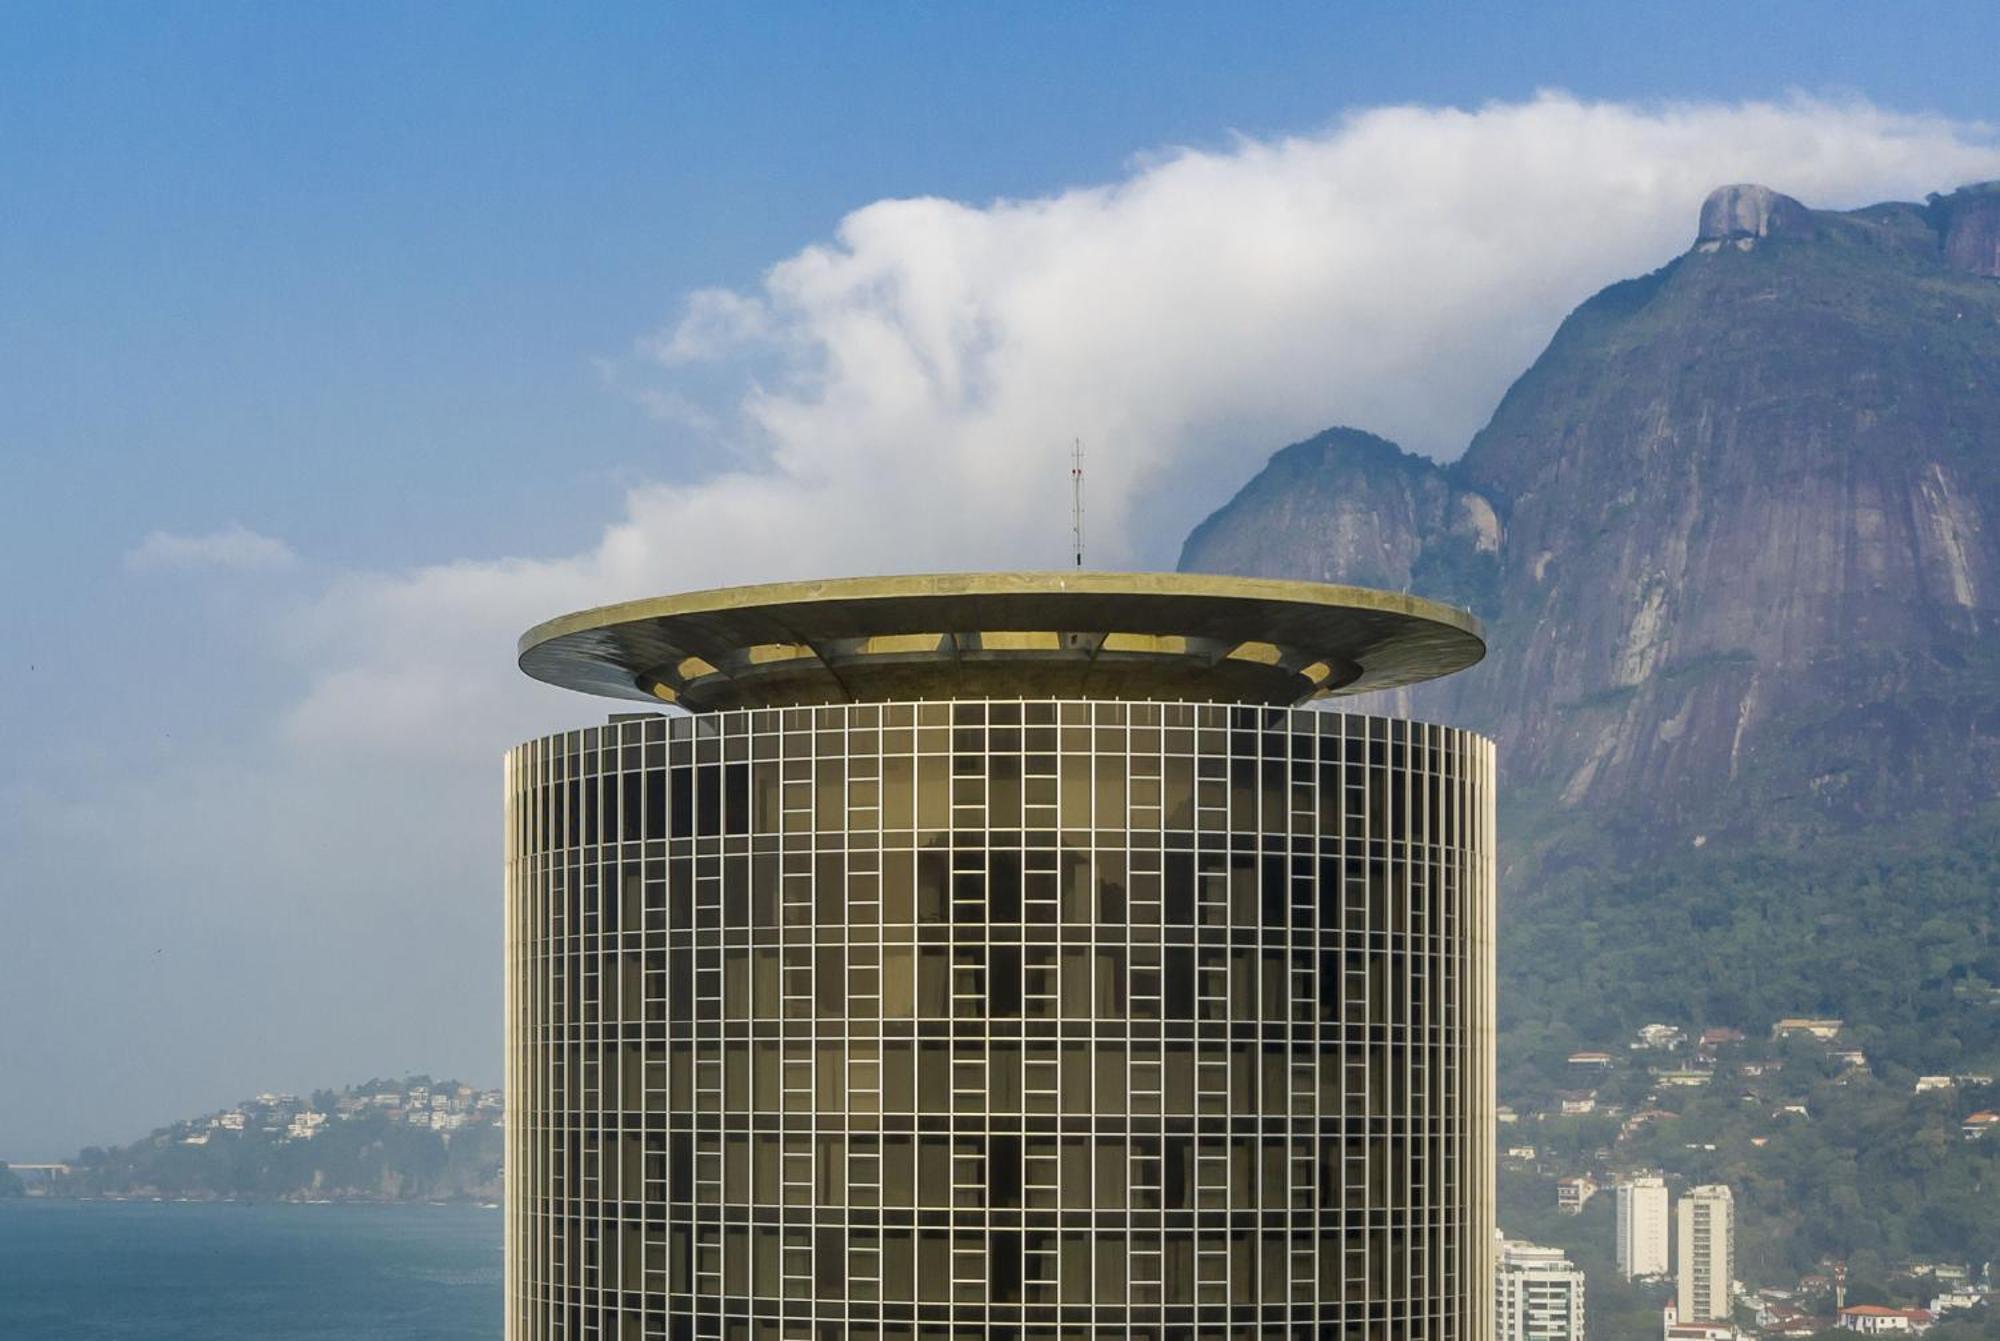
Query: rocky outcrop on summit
[[1747, 567], [1742, 214]]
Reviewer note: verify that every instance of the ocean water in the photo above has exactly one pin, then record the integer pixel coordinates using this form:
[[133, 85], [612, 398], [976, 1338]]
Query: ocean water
[[162, 1271]]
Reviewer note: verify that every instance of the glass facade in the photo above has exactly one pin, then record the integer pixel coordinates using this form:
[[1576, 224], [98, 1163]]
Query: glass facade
[[1000, 1019]]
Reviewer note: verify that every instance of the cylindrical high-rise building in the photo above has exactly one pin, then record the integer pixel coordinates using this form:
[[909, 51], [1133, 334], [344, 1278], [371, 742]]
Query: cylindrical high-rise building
[[1001, 956]]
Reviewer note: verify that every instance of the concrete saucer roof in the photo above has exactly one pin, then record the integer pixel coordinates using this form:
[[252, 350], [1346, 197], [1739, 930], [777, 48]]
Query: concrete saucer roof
[[1064, 634]]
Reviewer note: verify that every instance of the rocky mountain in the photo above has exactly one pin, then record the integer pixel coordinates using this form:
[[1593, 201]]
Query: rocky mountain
[[1356, 508], [1733, 532], [1733, 536]]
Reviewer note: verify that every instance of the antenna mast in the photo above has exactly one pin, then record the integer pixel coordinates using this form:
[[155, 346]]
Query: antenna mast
[[1076, 498]]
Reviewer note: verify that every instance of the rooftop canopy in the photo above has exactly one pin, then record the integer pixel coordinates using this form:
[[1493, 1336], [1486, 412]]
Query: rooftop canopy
[[1177, 636]]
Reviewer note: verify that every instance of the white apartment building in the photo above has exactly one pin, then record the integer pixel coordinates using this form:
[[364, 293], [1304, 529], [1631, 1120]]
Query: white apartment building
[[1707, 1250], [1537, 1294], [1644, 1227]]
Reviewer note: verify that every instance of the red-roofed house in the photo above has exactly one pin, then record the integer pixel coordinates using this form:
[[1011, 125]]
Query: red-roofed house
[[1979, 1124], [1874, 1318], [1673, 1329]]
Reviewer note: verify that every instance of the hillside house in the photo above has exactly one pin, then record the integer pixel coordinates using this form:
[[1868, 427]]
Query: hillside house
[[1659, 1037], [1953, 1300], [1797, 1026], [1572, 1194]]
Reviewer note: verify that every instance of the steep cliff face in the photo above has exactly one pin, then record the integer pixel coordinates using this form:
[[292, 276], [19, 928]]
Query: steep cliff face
[[1746, 570], [1969, 221]]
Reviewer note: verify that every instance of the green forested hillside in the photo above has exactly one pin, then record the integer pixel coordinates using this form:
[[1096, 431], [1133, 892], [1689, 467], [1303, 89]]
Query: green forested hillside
[[1895, 931]]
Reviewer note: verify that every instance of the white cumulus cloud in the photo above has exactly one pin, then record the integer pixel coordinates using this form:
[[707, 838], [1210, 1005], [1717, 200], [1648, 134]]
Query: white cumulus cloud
[[910, 386], [235, 546]]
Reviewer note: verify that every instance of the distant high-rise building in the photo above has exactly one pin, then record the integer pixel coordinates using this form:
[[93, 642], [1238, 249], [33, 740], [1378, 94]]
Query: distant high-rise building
[[1643, 1233], [1537, 1295], [1707, 1253], [1002, 955]]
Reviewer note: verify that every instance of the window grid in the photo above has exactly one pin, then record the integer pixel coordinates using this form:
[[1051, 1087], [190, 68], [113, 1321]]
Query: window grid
[[1058, 1019]]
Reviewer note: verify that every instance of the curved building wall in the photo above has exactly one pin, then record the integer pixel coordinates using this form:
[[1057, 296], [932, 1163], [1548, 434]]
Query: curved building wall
[[1000, 1019]]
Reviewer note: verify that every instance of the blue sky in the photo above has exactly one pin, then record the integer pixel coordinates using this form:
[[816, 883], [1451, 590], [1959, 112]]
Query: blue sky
[[391, 286], [326, 265]]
